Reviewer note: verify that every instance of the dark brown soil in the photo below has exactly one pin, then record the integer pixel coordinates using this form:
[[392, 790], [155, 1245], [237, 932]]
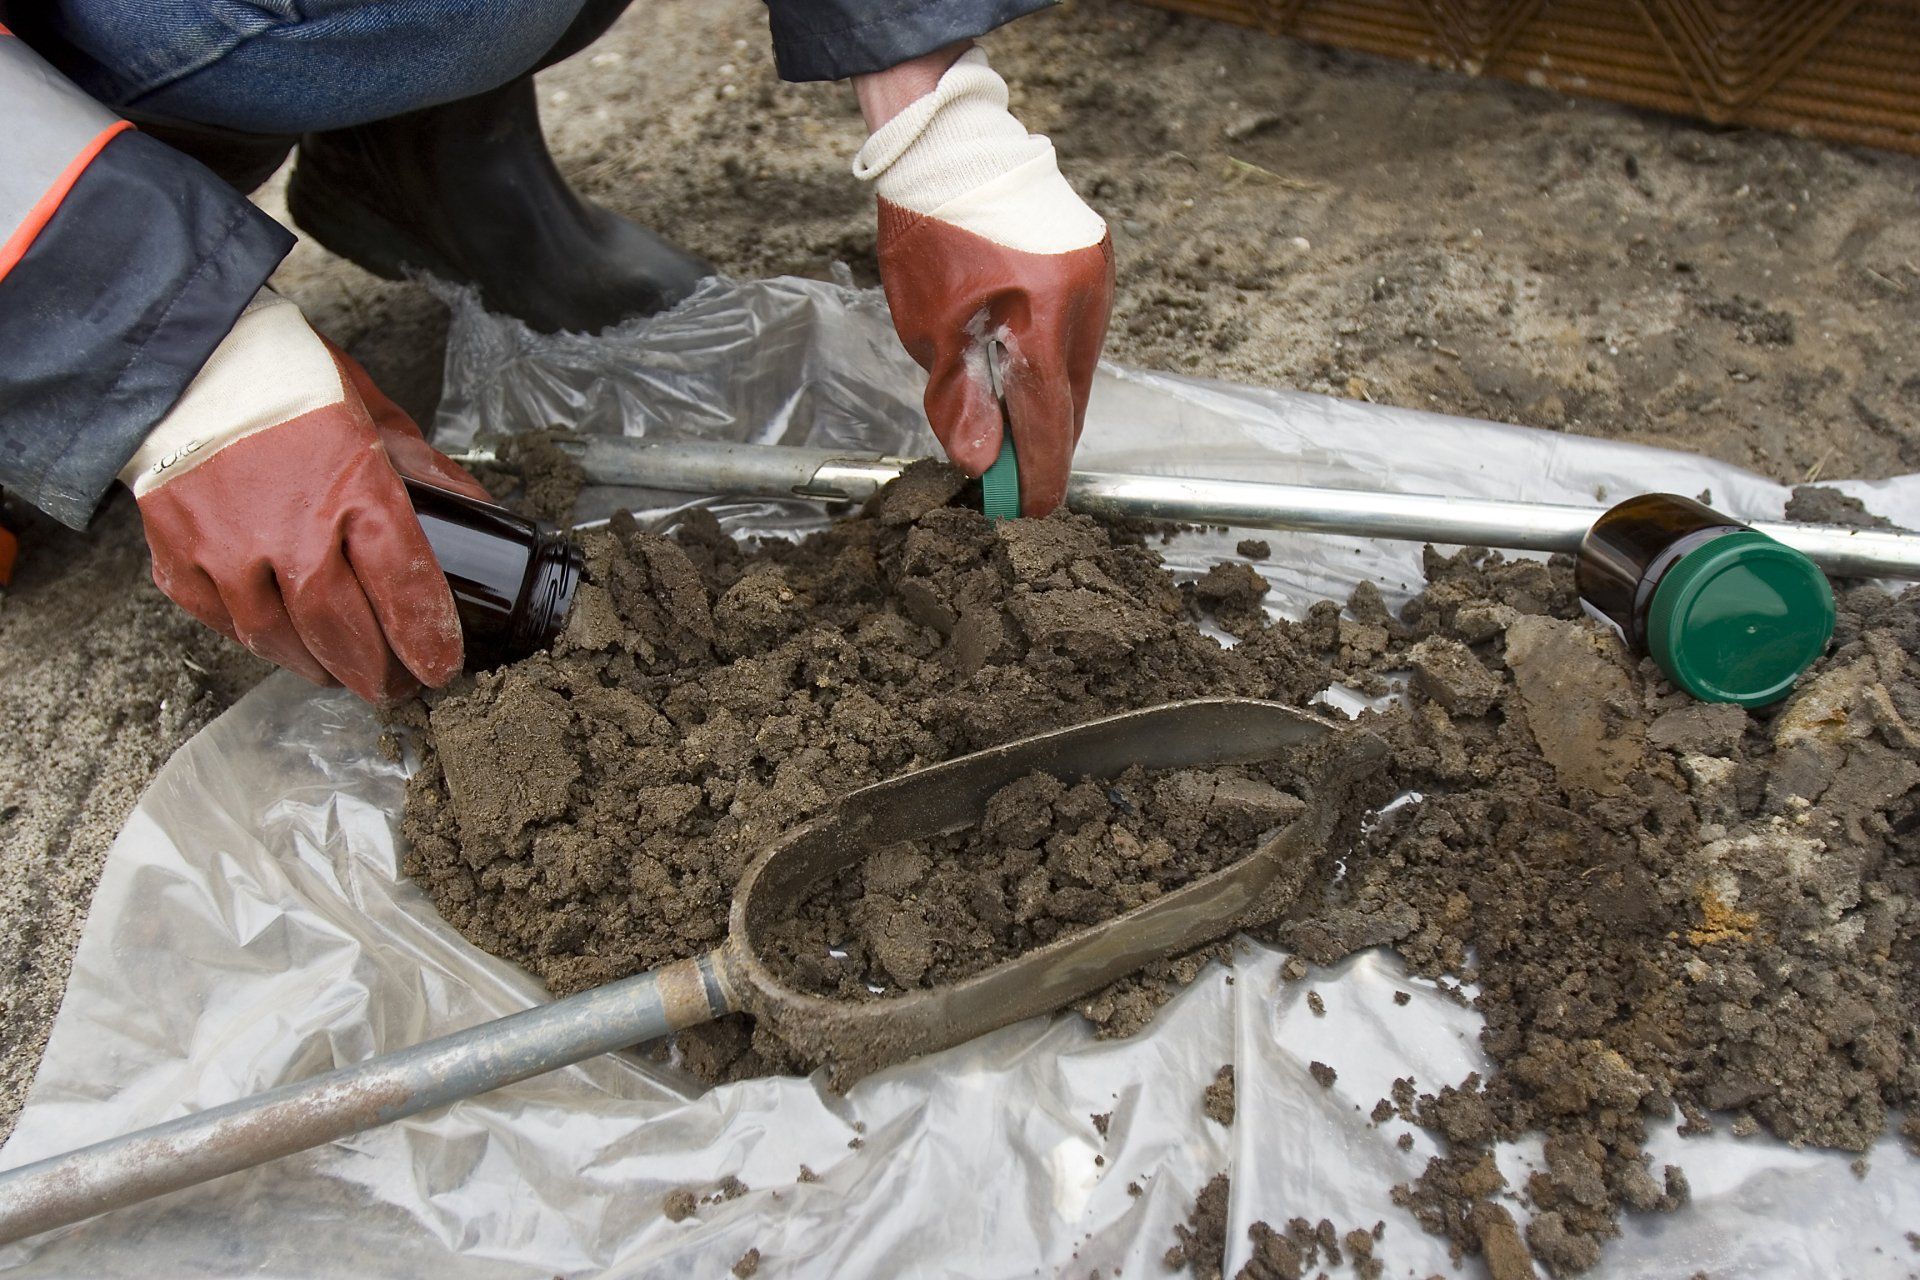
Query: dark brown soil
[[588, 813], [535, 476], [1817, 504], [1203, 1237], [1667, 907], [1302, 1249], [1048, 860]]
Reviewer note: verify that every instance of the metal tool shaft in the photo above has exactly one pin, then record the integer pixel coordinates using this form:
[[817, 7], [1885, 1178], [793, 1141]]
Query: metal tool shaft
[[310, 1113], [784, 471]]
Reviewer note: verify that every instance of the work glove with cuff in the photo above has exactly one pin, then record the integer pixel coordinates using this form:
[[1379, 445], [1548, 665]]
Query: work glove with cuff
[[982, 243], [272, 499]]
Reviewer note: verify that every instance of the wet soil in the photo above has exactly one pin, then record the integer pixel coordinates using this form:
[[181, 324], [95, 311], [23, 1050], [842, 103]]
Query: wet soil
[[1047, 860], [706, 697], [1669, 909]]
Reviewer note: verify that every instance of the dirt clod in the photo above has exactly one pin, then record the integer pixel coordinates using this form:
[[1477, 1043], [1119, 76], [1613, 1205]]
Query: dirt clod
[[1047, 860], [1203, 1236], [1818, 504], [1218, 1099], [1501, 1247]]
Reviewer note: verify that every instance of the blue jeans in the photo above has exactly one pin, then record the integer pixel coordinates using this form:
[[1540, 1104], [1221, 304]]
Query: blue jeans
[[299, 66]]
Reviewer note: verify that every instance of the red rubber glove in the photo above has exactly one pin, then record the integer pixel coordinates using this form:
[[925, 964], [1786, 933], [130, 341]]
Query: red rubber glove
[[983, 242], [272, 500]]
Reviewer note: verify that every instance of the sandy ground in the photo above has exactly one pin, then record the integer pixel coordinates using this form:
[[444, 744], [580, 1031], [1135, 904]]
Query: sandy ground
[[1283, 215]]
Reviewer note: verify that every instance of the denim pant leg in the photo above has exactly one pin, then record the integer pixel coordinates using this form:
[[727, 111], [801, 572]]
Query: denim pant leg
[[300, 66]]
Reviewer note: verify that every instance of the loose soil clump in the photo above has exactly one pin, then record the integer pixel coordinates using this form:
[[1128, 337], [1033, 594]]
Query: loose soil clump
[[1218, 1100], [1048, 860], [1668, 909], [1301, 1249]]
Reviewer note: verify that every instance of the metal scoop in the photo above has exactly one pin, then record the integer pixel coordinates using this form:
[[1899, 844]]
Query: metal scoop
[[852, 1038]]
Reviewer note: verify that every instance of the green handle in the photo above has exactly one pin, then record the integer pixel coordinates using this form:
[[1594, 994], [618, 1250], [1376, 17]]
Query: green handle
[[1000, 486]]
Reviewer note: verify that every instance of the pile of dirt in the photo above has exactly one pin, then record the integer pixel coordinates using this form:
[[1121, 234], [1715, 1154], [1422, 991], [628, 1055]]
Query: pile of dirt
[[1668, 908], [1047, 860], [1667, 905], [588, 813]]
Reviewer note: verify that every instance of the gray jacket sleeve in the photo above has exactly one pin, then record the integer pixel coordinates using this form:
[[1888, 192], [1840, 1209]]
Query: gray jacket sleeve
[[122, 265], [834, 39]]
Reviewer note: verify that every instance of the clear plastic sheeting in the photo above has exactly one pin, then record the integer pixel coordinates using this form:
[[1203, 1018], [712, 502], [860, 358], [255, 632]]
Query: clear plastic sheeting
[[251, 928]]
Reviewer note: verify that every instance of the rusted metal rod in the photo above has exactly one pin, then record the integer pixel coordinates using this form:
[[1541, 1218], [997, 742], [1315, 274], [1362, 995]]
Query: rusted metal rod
[[310, 1113]]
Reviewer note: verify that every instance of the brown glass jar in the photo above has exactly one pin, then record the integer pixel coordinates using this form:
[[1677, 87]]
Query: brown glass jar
[[1728, 613], [513, 580]]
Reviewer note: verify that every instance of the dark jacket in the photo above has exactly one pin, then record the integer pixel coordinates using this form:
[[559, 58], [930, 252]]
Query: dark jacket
[[123, 263]]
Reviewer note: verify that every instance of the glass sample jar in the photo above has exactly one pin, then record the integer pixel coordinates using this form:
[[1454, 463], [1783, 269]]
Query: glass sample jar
[[1728, 613], [513, 580]]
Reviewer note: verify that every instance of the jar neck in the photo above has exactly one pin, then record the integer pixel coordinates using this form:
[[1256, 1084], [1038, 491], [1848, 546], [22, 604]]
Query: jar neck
[[552, 579]]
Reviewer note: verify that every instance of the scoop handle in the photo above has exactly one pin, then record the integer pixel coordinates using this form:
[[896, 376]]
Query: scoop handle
[[310, 1113]]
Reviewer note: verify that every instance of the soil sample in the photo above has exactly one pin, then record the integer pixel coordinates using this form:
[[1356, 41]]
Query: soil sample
[[589, 812], [1667, 909], [1047, 860]]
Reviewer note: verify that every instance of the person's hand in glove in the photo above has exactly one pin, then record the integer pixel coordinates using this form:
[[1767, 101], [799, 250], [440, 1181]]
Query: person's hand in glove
[[272, 499], [983, 242]]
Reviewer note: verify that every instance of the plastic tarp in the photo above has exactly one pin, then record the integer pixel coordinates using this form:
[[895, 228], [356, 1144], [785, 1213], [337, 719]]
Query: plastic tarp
[[251, 927]]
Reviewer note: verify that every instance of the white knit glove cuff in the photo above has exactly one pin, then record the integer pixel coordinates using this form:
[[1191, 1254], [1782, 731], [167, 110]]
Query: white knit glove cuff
[[270, 369], [957, 154]]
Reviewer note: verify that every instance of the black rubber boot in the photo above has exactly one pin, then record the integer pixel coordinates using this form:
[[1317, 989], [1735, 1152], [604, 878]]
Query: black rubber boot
[[468, 192]]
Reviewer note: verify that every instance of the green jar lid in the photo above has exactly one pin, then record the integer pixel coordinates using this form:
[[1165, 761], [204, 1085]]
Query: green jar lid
[[1000, 486], [1738, 618]]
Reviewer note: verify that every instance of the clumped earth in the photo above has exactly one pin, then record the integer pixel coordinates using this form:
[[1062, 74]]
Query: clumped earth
[[1218, 1100], [704, 698], [1669, 909], [1047, 860], [1302, 1249]]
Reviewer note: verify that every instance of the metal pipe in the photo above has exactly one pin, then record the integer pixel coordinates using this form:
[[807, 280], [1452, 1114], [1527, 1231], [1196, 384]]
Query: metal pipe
[[310, 1113], [1418, 517], [785, 471]]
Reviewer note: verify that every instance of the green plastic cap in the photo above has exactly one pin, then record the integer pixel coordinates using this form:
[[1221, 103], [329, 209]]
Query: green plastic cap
[[1739, 618], [1000, 486]]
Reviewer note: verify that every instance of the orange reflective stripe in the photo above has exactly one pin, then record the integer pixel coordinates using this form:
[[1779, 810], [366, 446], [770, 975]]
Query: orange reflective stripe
[[43, 209]]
